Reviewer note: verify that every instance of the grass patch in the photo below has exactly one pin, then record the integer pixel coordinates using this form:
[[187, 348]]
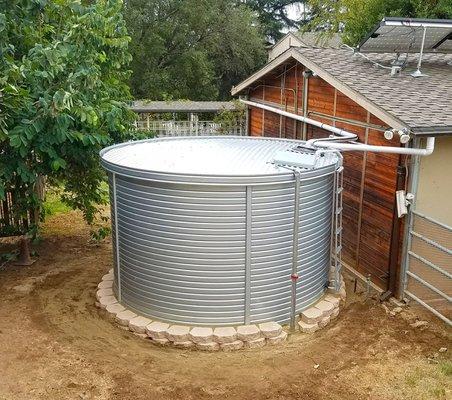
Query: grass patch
[[53, 204], [446, 367]]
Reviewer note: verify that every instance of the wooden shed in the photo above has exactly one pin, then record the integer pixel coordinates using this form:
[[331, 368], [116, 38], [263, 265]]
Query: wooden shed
[[346, 90]]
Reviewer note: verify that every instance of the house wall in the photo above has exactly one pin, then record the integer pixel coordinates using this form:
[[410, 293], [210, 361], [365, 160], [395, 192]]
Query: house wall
[[434, 197], [370, 179]]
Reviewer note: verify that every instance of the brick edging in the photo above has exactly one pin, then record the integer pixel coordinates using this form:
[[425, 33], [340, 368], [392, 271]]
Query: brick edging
[[219, 338]]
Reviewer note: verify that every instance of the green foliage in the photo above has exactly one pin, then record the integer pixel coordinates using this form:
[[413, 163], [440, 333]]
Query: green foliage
[[272, 15], [62, 90], [359, 17], [53, 204], [231, 118], [192, 49]]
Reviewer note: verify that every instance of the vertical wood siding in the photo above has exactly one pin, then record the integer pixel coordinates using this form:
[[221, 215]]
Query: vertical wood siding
[[369, 179]]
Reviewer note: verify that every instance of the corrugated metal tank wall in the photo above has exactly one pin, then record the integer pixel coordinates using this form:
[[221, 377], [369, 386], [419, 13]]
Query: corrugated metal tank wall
[[220, 254], [182, 251]]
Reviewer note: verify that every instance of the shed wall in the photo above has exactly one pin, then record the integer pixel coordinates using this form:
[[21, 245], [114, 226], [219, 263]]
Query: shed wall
[[370, 179]]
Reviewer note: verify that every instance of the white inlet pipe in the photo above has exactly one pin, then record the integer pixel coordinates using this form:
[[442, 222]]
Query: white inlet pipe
[[430, 146], [341, 132], [332, 143]]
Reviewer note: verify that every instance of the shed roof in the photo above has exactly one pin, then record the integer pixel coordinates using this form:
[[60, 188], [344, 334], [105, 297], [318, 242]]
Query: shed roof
[[181, 106], [424, 104]]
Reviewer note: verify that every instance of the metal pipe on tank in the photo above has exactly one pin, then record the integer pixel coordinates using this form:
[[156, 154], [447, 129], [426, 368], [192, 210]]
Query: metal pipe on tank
[[296, 228], [118, 264]]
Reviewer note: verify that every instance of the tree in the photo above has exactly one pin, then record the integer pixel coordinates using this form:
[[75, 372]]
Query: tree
[[62, 96], [273, 17], [192, 49], [358, 17]]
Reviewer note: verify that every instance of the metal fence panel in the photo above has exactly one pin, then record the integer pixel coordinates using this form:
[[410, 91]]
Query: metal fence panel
[[429, 265]]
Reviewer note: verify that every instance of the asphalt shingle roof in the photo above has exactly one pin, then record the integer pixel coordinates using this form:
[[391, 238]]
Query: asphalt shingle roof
[[422, 104]]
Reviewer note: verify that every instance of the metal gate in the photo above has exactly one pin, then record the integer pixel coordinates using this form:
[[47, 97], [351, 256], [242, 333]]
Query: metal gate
[[428, 268]]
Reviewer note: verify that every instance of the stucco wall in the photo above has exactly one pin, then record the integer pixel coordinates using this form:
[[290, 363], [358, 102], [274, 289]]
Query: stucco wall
[[434, 197]]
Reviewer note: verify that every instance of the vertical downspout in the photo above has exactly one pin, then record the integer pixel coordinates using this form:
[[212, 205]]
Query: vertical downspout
[[305, 102], [115, 210], [361, 194], [395, 234], [295, 101], [413, 177], [247, 120], [263, 111], [294, 275]]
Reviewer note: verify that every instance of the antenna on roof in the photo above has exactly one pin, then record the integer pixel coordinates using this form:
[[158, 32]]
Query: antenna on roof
[[418, 73]]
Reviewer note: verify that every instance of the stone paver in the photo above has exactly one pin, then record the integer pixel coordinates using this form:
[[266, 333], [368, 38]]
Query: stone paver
[[178, 333], [161, 341], [325, 307], [235, 345], [114, 309], [225, 338], [324, 321], [138, 324], [226, 334], [307, 328], [108, 277], [124, 317], [248, 332], [200, 334], [332, 299], [312, 315], [140, 335], [278, 339], [105, 285], [210, 346], [106, 301], [335, 313], [104, 292], [157, 330], [270, 329], [254, 344], [184, 345]]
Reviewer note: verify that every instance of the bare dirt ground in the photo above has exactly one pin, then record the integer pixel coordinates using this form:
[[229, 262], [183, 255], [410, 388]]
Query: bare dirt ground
[[55, 344]]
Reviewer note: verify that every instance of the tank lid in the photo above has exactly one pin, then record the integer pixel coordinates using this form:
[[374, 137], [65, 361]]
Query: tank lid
[[213, 156]]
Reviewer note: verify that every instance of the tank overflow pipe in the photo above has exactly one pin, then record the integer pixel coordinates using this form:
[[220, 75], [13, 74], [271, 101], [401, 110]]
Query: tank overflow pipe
[[344, 135]]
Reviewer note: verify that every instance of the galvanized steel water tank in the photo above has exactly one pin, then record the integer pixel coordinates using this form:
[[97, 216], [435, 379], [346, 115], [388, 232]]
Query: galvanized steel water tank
[[203, 228]]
